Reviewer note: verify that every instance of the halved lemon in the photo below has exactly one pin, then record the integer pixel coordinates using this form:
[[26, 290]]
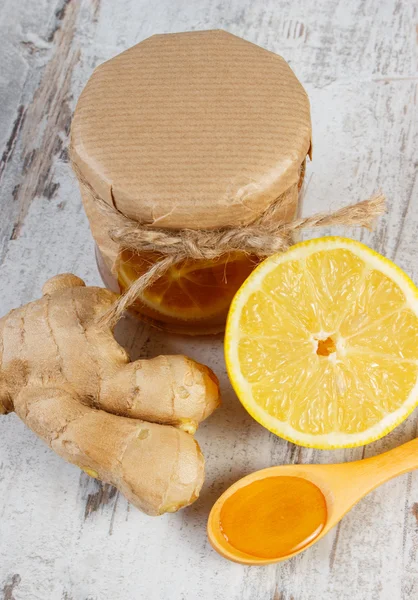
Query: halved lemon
[[321, 344]]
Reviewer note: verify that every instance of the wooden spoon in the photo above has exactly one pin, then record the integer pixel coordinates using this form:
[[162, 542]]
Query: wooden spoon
[[342, 486]]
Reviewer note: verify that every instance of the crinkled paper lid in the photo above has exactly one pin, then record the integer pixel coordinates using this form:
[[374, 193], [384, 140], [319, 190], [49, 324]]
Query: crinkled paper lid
[[200, 130]]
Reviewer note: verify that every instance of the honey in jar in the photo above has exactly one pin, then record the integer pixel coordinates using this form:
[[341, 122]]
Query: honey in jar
[[193, 131]]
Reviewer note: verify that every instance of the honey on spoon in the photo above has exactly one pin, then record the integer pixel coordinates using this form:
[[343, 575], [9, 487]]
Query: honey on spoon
[[275, 513]]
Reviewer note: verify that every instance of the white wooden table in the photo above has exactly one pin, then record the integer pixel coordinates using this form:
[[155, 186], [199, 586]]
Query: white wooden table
[[63, 536]]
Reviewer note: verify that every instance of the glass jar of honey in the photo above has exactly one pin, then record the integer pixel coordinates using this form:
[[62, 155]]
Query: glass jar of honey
[[194, 131]]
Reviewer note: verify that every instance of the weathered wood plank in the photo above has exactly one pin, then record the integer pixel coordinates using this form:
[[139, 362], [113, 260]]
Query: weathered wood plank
[[62, 535]]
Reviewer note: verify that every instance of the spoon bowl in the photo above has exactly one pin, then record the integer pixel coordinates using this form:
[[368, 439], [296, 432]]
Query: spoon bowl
[[342, 486]]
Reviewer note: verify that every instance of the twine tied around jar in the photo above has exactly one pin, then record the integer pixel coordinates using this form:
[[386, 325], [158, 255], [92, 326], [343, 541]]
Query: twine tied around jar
[[263, 237]]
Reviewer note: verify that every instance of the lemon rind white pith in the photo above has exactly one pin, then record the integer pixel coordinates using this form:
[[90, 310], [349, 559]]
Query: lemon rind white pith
[[232, 337]]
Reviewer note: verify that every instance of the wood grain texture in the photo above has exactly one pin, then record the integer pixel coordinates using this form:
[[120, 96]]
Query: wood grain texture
[[63, 536]]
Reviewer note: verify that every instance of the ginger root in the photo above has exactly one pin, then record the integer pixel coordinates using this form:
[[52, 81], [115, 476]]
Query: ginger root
[[126, 423]]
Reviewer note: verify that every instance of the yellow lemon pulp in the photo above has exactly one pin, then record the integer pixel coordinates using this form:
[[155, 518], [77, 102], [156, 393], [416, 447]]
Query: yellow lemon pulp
[[322, 344]]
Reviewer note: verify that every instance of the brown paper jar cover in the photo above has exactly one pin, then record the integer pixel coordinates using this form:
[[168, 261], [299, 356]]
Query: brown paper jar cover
[[199, 130]]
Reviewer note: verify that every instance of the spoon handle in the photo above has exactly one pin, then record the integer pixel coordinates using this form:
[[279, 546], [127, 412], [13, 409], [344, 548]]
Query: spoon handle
[[360, 477], [394, 462]]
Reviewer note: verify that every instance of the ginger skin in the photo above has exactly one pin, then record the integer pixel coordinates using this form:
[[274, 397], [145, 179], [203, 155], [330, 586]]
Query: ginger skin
[[127, 423]]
